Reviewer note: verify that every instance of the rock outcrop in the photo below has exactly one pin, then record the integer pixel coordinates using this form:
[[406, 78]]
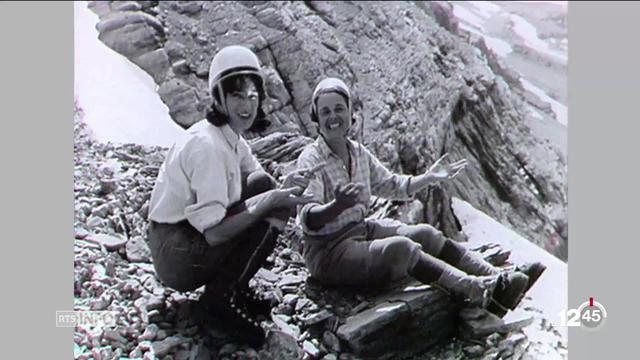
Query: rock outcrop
[[420, 91]]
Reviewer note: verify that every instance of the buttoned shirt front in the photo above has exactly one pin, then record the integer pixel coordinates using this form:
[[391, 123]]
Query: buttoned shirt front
[[201, 176], [365, 168]]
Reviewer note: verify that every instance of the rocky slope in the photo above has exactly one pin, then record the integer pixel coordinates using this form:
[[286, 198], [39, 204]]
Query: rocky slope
[[420, 92], [112, 271], [526, 41]]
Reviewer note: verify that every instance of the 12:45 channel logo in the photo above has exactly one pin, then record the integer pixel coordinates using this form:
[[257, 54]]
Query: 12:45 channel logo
[[590, 315]]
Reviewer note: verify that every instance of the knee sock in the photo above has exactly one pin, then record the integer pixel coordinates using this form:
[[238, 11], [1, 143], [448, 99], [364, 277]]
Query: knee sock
[[431, 270], [466, 260], [427, 269]]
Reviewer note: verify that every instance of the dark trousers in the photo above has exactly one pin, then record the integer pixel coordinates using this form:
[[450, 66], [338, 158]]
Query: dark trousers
[[184, 261]]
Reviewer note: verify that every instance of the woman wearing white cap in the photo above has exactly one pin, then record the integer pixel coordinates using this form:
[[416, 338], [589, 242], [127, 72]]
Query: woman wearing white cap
[[342, 248], [214, 212]]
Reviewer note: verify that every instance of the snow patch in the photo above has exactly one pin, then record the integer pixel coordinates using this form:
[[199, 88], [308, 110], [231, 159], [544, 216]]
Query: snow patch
[[119, 99], [535, 113], [549, 294], [558, 108], [485, 9], [529, 34], [564, 4], [468, 16], [498, 46]]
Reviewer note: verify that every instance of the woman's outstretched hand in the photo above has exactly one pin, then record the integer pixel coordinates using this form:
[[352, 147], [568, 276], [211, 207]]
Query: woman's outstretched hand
[[300, 178], [280, 198], [440, 171]]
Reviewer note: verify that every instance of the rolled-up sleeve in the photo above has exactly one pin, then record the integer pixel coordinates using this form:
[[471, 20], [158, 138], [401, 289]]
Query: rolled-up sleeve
[[386, 184], [206, 170], [248, 162], [315, 190]]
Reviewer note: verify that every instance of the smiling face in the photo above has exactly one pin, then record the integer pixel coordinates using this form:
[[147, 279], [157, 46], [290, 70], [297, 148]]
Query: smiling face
[[334, 119], [242, 103]]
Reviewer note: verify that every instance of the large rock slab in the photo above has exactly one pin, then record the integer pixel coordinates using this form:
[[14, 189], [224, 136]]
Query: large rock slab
[[408, 320], [155, 63], [479, 323]]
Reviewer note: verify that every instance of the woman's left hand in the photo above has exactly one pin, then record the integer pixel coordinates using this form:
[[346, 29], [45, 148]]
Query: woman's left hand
[[297, 180], [440, 171]]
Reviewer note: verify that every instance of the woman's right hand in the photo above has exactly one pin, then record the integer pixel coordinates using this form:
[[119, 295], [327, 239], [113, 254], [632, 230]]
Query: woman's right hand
[[348, 195], [300, 178], [283, 198]]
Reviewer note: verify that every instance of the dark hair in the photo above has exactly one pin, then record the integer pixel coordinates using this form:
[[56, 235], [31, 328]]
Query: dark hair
[[314, 116], [236, 83]]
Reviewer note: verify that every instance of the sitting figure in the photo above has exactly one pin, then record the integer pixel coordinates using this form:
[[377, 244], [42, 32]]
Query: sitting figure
[[214, 213], [341, 247]]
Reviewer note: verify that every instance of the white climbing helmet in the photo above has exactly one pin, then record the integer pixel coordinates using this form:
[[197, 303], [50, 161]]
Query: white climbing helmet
[[329, 85], [233, 60]]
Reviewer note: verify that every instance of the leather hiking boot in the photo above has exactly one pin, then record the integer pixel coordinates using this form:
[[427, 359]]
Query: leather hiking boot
[[509, 292], [255, 305], [533, 270], [232, 316]]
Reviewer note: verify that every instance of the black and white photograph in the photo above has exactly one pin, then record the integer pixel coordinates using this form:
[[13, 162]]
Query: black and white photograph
[[327, 180]]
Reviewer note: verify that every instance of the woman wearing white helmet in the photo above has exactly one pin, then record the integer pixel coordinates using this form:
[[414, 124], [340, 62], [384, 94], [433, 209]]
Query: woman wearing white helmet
[[214, 212], [341, 247]]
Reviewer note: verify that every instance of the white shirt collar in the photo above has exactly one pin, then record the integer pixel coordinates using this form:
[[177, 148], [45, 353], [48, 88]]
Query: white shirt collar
[[230, 136]]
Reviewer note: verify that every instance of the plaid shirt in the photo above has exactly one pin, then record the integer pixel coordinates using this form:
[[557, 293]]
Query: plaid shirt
[[365, 169]]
